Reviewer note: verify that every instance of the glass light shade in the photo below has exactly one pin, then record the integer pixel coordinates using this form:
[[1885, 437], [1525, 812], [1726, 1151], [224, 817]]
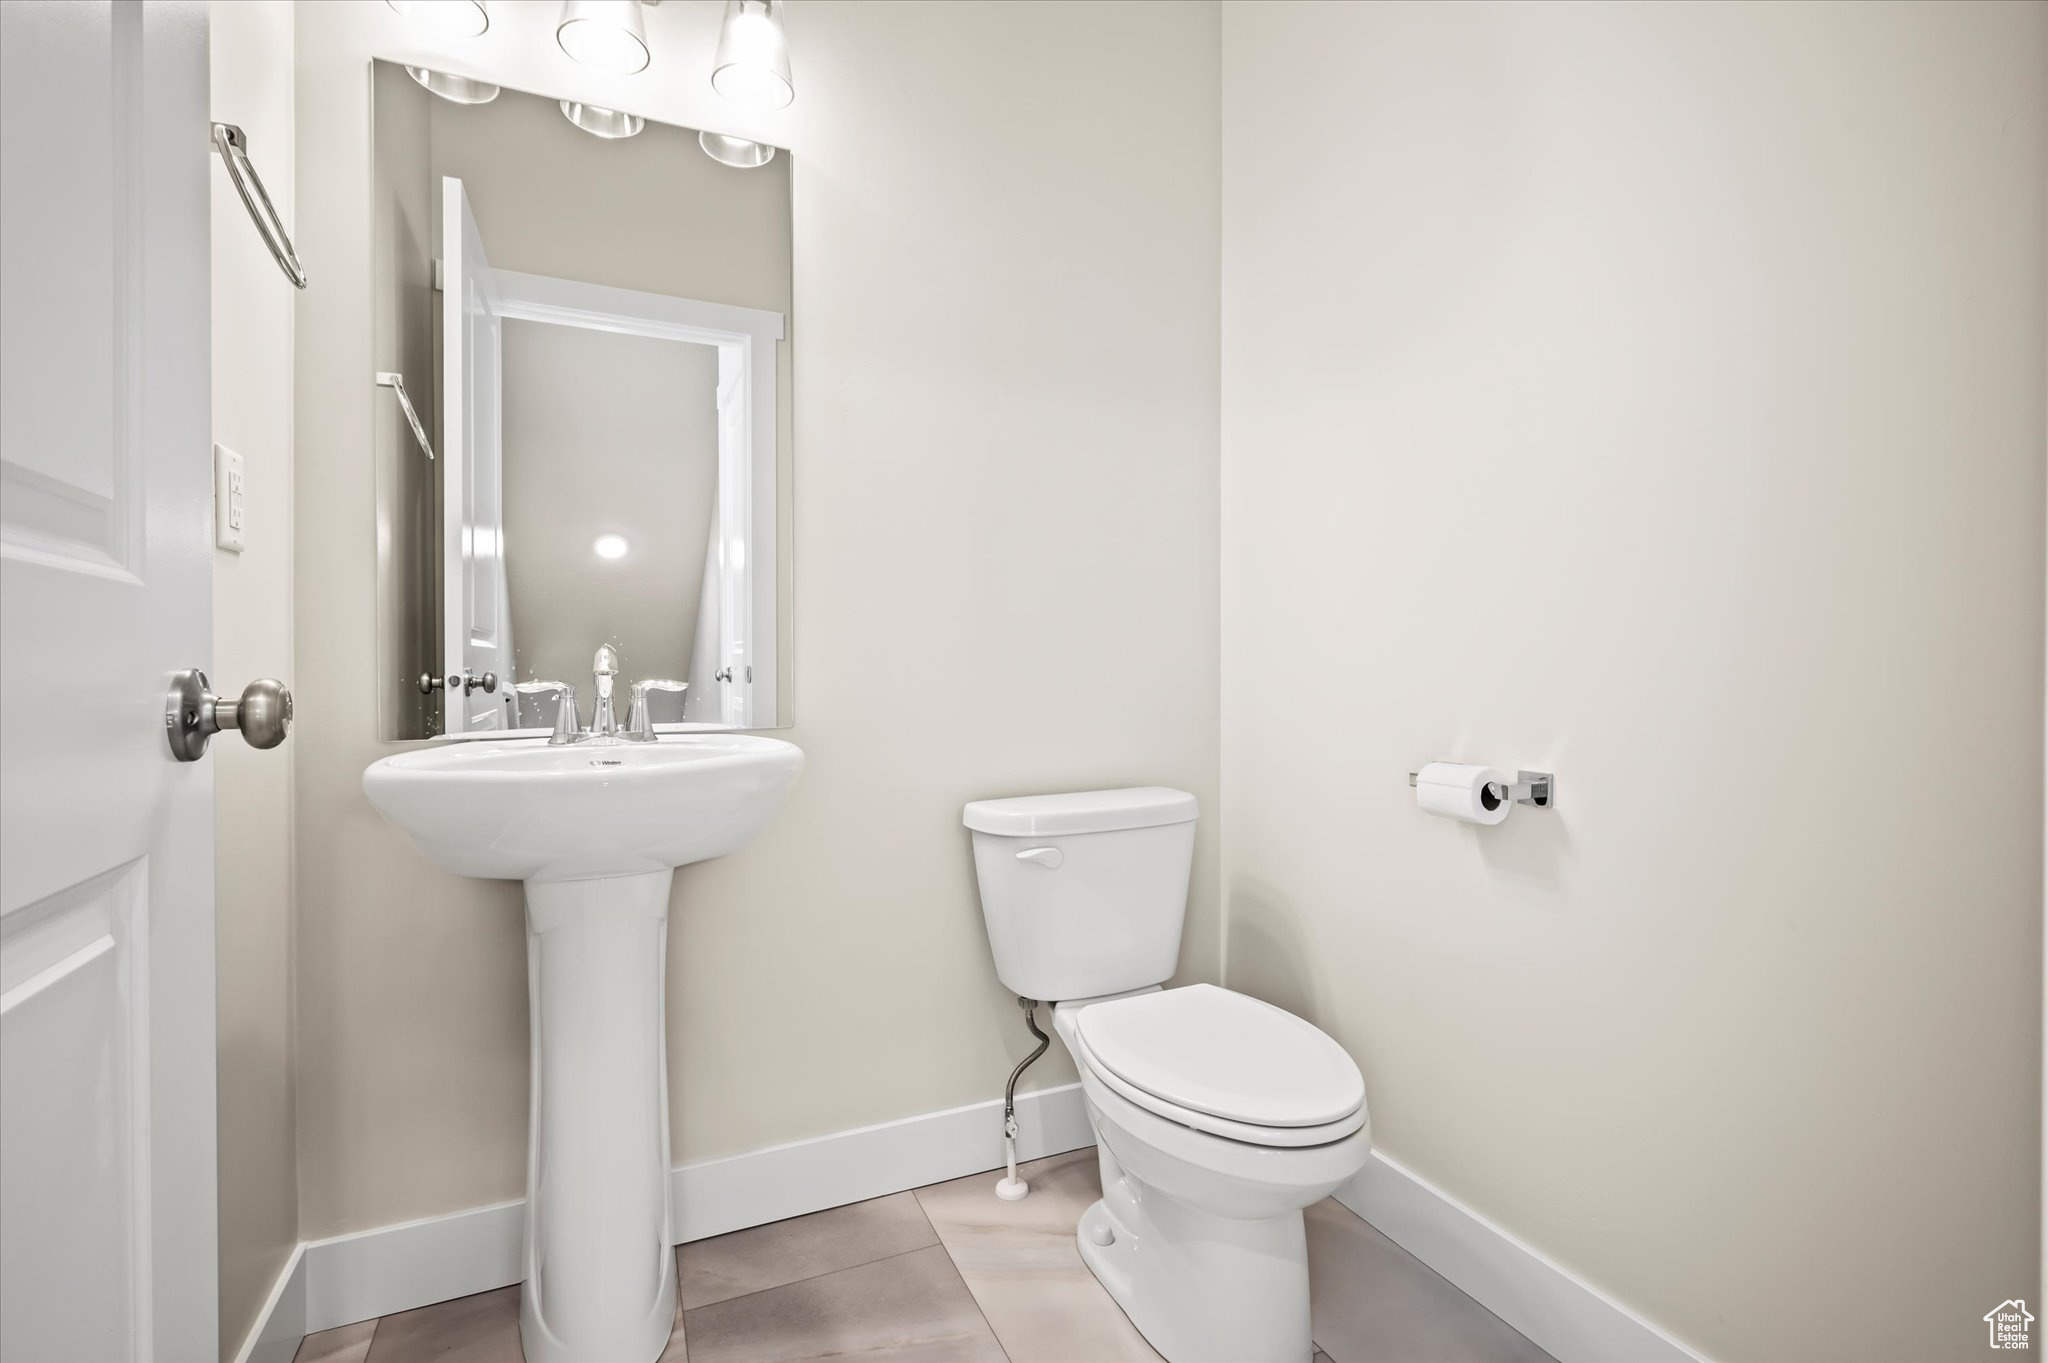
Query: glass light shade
[[462, 18], [605, 34], [598, 121], [752, 65], [735, 151], [454, 89]]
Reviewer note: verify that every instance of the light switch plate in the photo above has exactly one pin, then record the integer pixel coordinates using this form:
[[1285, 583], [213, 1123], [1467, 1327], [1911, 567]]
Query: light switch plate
[[230, 503]]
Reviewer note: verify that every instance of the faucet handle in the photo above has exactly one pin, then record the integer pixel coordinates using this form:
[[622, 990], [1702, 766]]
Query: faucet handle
[[639, 720], [565, 713]]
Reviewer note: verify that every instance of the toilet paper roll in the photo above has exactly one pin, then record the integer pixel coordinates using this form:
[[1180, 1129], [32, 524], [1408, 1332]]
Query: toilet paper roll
[[1458, 790]]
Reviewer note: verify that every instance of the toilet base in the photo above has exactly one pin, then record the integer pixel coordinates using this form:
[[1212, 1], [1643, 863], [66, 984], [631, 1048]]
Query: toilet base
[[1201, 1288]]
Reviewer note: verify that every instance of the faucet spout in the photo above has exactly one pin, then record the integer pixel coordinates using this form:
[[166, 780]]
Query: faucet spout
[[605, 666]]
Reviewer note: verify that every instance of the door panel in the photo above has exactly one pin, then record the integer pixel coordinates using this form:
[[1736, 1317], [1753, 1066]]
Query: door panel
[[735, 677], [73, 1045], [107, 1157], [70, 464], [477, 617]]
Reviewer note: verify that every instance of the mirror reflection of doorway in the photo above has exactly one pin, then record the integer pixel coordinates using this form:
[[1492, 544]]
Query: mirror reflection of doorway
[[598, 487]]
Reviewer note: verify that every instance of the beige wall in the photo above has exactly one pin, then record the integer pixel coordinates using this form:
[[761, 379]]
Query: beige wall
[[252, 637], [606, 433], [1005, 530], [1654, 394]]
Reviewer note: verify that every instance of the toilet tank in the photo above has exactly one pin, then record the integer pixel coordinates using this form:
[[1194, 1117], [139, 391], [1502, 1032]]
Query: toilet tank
[[1084, 894]]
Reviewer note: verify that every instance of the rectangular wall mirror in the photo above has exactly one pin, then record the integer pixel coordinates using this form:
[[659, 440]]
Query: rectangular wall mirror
[[582, 384]]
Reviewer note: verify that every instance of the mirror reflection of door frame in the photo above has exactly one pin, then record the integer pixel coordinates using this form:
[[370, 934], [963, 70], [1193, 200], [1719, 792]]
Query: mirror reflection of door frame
[[744, 548]]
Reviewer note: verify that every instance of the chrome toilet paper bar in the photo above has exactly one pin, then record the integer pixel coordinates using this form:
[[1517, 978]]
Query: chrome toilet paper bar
[[1537, 788]]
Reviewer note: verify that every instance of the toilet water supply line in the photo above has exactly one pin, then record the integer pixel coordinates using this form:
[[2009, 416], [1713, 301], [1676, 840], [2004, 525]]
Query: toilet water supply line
[[1011, 1188]]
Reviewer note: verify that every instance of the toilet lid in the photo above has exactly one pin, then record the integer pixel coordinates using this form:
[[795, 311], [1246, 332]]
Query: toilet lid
[[1225, 1054]]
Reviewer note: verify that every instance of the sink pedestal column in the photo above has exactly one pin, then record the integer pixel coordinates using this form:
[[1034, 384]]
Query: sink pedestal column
[[600, 1257]]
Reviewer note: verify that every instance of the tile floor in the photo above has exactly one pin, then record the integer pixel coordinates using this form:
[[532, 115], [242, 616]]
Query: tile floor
[[950, 1274]]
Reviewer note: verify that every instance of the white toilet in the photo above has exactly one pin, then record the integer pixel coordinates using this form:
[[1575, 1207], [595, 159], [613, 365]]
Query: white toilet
[[1217, 1117]]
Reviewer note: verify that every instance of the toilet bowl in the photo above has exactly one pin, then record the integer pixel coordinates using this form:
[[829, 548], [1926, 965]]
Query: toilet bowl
[[1217, 1117], [1198, 1234]]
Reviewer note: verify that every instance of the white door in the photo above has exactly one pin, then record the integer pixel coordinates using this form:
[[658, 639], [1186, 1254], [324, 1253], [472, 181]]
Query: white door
[[107, 1164], [476, 616], [733, 529]]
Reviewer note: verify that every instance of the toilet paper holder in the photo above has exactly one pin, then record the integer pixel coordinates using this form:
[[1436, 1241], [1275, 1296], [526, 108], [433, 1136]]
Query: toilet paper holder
[[1537, 788]]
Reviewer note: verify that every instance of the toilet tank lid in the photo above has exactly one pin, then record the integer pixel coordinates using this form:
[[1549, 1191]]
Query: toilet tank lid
[[1088, 811]]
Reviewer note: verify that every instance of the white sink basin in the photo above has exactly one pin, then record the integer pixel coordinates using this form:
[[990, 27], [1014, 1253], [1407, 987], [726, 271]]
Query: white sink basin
[[596, 831], [522, 810]]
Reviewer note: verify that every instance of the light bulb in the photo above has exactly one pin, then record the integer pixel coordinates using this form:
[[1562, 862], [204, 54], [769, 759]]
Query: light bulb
[[611, 546], [605, 34], [598, 121], [454, 89], [752, 65], [737, 152]]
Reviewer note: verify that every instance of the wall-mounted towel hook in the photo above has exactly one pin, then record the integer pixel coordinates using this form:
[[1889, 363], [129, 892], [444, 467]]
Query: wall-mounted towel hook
[[233, 146], [396, 383]]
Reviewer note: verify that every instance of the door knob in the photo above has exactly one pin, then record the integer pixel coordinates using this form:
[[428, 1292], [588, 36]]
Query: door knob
[[428, 683], [723, 674], [193, 714]]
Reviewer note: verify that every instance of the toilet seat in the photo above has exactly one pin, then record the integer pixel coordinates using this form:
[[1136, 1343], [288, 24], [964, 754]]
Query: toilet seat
[[1224, 1063]]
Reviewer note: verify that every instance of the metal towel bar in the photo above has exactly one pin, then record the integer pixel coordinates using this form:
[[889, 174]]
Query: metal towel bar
[[233, 146], [396, 383]]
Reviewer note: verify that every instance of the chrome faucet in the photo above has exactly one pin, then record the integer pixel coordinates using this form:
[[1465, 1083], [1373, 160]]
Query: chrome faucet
[[603, 722]]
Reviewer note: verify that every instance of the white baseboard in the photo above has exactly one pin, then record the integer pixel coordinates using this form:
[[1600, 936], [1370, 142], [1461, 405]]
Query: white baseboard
[[414, 1263], [281, 1326], [375, 1272], [1569, 1317], [722, 1195]]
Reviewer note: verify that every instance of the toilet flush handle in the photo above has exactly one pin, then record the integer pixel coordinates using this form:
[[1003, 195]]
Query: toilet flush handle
[[1048, 857]]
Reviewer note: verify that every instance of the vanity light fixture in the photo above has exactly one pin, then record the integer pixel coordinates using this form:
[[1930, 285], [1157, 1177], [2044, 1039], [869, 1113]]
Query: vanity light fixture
[[611, 546], [737, 152], [599, 121], [752, 65], [606, 34], [459, 18], [454, 89]]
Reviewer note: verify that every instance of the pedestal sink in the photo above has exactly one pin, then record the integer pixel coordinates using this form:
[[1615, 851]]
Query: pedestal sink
[[596, 830]]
